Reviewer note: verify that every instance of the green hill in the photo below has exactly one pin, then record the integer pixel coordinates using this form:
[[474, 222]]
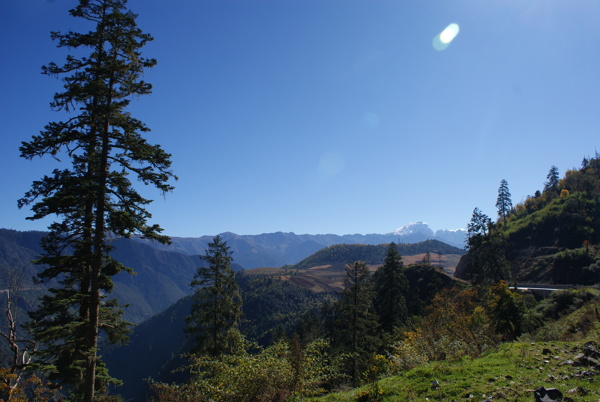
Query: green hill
[[324, 271], [341, 254], [554, 236]]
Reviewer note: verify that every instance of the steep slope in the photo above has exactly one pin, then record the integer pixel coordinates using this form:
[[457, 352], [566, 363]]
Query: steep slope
[[269, 305], [162, 277], [553, 237], [152, 351], [17, 250]]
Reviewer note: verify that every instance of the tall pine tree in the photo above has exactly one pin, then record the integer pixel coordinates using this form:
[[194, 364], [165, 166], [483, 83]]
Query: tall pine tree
[[551, 185], [93, 196], [217, 306], [503, 202], [390, 286], [355, 331]]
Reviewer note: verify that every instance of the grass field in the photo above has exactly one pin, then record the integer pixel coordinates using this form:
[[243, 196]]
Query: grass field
[[510, 371]]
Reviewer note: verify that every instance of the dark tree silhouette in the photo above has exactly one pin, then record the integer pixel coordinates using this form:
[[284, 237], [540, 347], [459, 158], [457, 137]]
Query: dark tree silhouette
[[355, 329], [552, 179], [390, 286], [503, 203], [93, 196], [217, 306]]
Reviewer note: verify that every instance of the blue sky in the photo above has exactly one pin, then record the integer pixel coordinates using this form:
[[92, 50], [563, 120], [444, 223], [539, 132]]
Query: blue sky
[[330, 116]]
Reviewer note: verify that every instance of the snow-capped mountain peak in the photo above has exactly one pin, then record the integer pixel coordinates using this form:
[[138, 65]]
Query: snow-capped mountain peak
[[420, 231], [412, 228]]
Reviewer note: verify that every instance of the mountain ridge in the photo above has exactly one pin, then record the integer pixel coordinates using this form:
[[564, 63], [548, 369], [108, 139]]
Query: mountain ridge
[[287, 248], [168, 270]]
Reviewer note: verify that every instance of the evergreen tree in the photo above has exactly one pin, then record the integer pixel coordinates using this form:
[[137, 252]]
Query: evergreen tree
[[503, 203], [486, 259], [478, 228], [355, 330], [217, 307], [390, 286], [506, 309], [585, 163], [552, 179], [93, 196]]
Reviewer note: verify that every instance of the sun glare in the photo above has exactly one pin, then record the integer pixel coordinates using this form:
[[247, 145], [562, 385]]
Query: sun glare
[[444, 38], [449, 33]]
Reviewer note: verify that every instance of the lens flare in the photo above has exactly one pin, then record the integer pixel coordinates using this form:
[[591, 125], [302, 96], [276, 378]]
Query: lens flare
[[331, 164], [444, 38], [370, 120], [449, 33]]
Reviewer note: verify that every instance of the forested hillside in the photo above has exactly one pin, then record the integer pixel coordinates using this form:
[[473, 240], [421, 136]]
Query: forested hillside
[[272, 309], [324, 271], [161, 277], [341, 254], [553, 237], [399, 320]]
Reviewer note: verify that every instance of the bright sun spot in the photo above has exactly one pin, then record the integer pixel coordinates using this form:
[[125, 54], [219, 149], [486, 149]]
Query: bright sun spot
[[449, 33], [443, 39]]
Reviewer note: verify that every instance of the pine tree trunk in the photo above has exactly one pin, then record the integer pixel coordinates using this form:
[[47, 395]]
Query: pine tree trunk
[[99, 239]]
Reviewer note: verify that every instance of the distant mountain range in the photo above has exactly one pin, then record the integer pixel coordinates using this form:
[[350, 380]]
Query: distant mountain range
[[163, 273], [278, 249], [161, 276]]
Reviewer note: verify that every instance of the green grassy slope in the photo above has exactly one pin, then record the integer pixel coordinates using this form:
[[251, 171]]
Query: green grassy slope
[[510, 371]]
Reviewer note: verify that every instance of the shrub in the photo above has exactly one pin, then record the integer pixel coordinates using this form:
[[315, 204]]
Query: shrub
[[455, 326], [274, 373], [562, 302]]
